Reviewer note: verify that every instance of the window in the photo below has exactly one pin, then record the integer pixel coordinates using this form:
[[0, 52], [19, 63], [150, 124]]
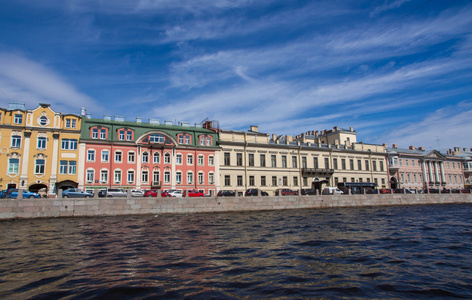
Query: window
[[359, 164], [39, 166], [251, 160], [121, 135], [227, 159], [72, 167], [178, 159], [43, 120], [211, 178], [69, 144], [239, 159], [274, 180], [201, 179], [189, 159], [200, 160], [156, 138], [251, 181], [117, 177], [91, 155], [326, 162], [211, 160], [18, 119], [41, 143], [294, 162], [239, 180], [227, 180], [343, 164], [118, 156], [208, 141], [178, 177], [13, 165], [131, 157], [351, 163], [103, 176], [145, 176], [129, 135], [305, 181], [273, 161], [167, 177], [63, 167], [15, 141], [263, 181], [167, 158], [285, 181], [315, 162], [374, 165], [304, 164], [263, 160], [335, 163], [89, 176], [295, 181], [189, 178], [381, 166], [156, 157], [184, 139], [155, 176], [284, 161], [145, 158], [130, 176], [367, 165], [95, 133], [71, 123], [103, 134], [105, 155], [205, 140]]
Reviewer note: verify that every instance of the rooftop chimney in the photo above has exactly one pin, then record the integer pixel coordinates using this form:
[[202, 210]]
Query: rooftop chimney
[[395, 146], [421, 148], [254, 128], [412, 148]]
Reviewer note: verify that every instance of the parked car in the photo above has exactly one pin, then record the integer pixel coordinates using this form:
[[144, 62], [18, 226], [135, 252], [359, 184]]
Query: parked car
[[433, 191], [332, 191], [226, 193], [175, 193], [254, 192], [308, 192], [13, 193], [385, 191], [75, 193], [114, 192], [465, 191], [285, 192], [153, 193], [102, 193], [193, 193], [137, 193]]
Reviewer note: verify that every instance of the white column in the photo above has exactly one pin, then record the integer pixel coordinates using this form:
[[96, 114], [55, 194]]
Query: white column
[[55, 155], [139, 160], [425, 182], [25, 160], [443, 177], [430, 171], [436, 167]]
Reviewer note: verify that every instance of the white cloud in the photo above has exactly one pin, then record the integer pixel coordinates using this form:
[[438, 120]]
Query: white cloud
[[29, 82]]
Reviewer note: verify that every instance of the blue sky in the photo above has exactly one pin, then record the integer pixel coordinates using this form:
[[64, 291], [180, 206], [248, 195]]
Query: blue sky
[[398, 71]]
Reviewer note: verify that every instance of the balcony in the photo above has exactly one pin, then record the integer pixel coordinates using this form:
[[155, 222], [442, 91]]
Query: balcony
[[317, 172]]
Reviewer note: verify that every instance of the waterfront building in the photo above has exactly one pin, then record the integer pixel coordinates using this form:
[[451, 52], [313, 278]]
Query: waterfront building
[[147, 155], [312, 160], [420, 169], [38, 148]]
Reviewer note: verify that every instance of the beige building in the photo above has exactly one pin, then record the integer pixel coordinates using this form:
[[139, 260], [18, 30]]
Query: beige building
[[312, 160]]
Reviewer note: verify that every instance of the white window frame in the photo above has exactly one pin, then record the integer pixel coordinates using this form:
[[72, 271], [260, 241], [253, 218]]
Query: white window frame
[[41, 142], [190, 177], [118, 156], [130, 176], [131, 157], [201, 159], [105, 157], [117, 176], [39, 169], [103, 176], [91, 155], [13, 167], [189, 159], [89, 175]]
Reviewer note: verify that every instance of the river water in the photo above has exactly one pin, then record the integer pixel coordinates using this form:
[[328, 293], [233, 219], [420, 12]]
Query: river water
[[413, 252]]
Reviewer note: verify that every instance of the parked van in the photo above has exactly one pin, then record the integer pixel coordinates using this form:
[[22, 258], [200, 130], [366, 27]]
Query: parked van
[[112, 192], [332, 191]]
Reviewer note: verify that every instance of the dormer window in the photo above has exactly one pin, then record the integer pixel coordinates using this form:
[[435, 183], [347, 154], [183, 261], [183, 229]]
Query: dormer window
[[18, 119], [184, 138]]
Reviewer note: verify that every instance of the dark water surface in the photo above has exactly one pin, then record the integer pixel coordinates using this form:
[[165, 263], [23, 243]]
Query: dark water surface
[[384, 252]]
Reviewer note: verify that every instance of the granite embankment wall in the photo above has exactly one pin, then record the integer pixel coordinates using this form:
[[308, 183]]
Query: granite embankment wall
[[80, 207]]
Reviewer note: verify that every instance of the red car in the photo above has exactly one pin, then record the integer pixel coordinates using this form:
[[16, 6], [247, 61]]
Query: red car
[[193, 193], [153, 193]]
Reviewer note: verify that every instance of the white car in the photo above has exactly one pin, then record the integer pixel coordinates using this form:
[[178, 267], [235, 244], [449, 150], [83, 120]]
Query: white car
[[175, 193], [137, 193]]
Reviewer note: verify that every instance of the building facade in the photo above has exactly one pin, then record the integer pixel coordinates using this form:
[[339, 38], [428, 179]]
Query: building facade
[[138, 155], [250, 159], [38, 148], [416, 168]]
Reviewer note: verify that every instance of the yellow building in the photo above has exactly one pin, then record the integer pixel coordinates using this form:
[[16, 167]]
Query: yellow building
[[38, 148]]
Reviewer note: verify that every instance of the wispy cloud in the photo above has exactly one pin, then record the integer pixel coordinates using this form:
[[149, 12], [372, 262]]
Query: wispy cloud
[[27, 81]]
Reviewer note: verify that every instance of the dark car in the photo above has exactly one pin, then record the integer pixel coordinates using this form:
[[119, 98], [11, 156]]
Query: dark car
[[102, 193], [226, 193], [308, 192], [285, 192], [254, 192]]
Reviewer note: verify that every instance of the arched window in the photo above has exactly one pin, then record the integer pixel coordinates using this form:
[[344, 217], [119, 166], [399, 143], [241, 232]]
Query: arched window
[[167, 158], [145, 157], [156, 157]]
